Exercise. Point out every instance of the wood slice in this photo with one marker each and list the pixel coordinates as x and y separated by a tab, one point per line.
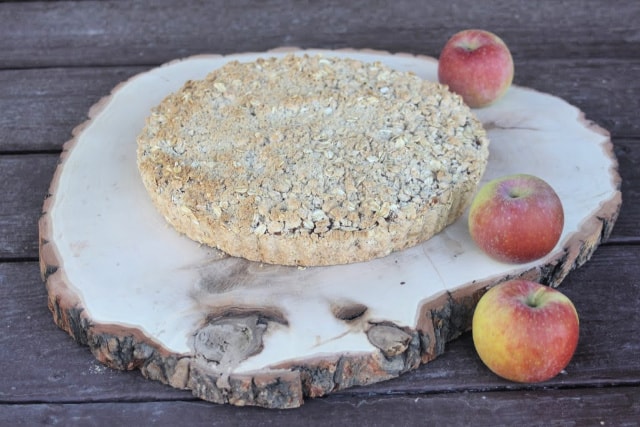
142	296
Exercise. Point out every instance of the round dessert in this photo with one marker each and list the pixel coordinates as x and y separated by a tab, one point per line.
311	160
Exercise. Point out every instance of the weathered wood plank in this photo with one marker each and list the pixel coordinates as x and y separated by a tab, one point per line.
24	181
628	155
119	33
605	292
619	406
41	106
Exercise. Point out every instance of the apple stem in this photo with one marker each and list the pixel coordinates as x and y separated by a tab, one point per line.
514	194
534	299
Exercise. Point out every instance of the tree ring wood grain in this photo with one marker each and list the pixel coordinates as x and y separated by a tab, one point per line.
143	297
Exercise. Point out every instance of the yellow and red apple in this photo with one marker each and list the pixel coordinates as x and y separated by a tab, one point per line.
516	218
524	331
477	65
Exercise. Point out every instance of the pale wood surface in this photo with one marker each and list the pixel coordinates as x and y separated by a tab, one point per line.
57	59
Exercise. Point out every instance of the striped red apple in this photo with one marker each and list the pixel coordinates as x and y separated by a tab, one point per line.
516	218
477	65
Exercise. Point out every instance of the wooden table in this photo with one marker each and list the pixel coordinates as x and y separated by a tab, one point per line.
59	58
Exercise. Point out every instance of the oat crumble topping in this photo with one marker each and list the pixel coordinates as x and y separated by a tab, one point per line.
308	145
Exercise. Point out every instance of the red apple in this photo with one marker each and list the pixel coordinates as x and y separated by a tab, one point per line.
524	331
477	65
516	218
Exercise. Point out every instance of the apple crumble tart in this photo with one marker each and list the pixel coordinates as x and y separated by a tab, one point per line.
311	160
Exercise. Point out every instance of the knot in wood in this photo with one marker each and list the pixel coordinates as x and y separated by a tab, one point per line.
391	340
228	341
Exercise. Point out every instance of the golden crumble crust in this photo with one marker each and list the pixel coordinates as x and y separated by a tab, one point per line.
311	160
